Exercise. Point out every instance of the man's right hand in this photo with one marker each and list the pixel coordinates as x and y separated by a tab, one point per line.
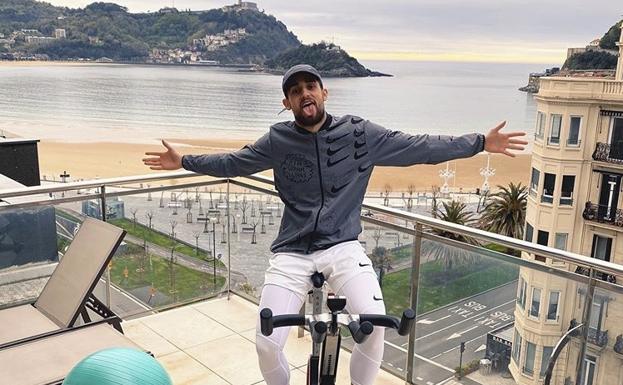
168	160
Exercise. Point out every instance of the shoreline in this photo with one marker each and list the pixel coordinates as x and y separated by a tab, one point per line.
89	160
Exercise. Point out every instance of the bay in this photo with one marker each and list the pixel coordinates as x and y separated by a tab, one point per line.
140	103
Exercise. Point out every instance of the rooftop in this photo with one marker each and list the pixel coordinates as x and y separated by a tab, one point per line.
204	334
212	342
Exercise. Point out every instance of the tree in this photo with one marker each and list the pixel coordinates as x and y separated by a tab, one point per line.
381	260
449	256
387	189
591	60
410	190
377	236
610	38
505	212
134	211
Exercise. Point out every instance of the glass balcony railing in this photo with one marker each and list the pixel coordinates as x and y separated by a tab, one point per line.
189	237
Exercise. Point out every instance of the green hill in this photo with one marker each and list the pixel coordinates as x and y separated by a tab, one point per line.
228	35
329	59
597	60
106	29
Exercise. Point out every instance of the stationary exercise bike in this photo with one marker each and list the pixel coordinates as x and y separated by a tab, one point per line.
325	329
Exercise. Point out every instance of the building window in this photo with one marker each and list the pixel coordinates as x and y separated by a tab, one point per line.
560	242
534	181
529	232
574	131
548	188
602	247
547	353
552	308
535	306
616	139
521	298
554	133
566	195
517	347
528	366
542	238
588	374
540	125
594	324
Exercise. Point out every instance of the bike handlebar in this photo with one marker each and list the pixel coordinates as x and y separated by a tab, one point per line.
402	326
359	331
268	321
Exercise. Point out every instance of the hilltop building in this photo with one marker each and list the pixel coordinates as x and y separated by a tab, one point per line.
592	46
241	5
574	204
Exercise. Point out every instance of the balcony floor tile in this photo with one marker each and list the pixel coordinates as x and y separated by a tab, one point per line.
186	327
185	370
213	343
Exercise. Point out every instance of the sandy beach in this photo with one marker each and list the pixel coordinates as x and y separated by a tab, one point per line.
103	160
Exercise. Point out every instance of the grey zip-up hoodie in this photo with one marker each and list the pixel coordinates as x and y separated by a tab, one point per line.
322	177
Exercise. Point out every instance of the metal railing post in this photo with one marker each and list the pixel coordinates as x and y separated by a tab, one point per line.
586	315
415	277
228	245
103	214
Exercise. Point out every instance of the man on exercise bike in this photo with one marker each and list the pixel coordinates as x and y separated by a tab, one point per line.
322	164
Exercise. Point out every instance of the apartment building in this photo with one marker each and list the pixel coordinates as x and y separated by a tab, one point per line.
575	203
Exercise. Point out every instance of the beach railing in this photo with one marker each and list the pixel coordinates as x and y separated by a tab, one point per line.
192	237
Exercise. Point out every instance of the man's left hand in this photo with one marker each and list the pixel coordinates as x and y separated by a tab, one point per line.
498	142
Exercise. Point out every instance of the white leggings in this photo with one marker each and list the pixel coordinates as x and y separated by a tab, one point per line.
359	291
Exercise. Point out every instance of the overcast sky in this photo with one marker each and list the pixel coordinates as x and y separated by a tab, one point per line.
537	31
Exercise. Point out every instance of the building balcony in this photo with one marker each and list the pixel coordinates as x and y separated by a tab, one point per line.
187	279
598	337
599	275
603	214
605	152
597	89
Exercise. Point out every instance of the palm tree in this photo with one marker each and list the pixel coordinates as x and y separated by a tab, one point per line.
505	213
381	260
455	212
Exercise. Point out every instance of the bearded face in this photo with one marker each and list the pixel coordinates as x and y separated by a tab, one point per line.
306	99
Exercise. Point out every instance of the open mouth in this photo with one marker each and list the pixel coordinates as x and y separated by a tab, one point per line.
309	107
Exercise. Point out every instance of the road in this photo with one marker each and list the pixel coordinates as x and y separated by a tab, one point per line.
440	332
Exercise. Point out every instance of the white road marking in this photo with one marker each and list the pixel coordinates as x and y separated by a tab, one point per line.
456	347
459	334
481	348
460	322
428	322
445	381
420	357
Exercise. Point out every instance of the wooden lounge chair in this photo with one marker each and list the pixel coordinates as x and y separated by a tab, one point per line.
47	359
68	292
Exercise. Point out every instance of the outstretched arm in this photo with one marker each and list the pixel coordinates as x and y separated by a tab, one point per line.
248	160
395	148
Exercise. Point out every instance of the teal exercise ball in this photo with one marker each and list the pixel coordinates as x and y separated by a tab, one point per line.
118	366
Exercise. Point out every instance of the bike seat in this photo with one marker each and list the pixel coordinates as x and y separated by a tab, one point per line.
317	279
